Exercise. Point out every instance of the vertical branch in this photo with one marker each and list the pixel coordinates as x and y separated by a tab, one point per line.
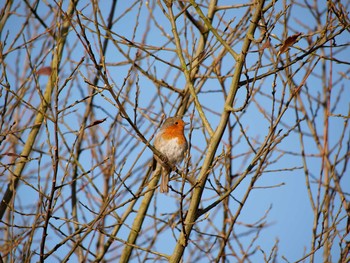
214	141
55	163
326	170
72	192
186	71
89	106
140	217
11	188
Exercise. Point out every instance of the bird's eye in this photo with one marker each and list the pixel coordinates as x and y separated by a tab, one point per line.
176	122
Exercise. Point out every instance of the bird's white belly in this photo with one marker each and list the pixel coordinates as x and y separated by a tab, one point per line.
172	150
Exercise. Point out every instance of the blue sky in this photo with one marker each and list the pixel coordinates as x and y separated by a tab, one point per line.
290	217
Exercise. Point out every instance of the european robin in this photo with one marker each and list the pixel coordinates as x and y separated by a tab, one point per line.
171	142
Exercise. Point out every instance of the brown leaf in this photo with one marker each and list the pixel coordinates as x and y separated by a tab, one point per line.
13	154
44	71
309	40
267	44
96	123
290	41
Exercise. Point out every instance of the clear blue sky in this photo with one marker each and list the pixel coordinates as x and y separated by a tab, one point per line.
290	219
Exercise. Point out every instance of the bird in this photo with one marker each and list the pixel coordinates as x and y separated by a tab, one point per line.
172	143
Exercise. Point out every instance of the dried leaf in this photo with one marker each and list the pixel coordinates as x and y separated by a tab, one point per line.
96	123
44	71
267	44
13	154
309	40
290	41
